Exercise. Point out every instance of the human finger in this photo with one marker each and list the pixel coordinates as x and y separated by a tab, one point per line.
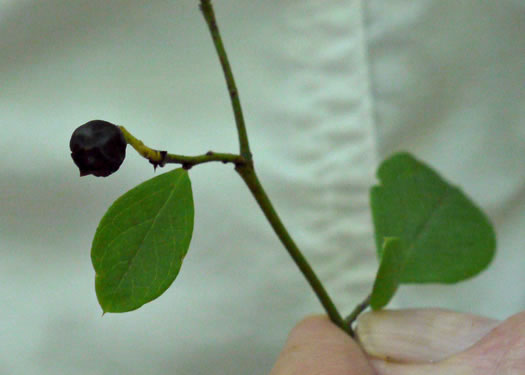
317	346
420	335
500	352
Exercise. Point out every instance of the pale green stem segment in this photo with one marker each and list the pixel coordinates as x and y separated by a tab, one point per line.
161	158
154	156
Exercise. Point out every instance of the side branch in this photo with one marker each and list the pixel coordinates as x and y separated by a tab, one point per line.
350	319
209	16
161	158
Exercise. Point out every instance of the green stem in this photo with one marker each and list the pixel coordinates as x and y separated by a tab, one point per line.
209	16
350	319
161	158
189	161
247	173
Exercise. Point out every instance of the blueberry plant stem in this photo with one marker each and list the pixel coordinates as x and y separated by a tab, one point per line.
209	16
247	172
161	158
350	319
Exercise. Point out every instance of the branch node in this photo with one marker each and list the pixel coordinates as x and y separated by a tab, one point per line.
161	162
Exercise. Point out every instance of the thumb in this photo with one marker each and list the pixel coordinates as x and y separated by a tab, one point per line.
419	335
500	352
317	346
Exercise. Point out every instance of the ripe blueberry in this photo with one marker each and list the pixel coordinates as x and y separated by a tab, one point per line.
98	148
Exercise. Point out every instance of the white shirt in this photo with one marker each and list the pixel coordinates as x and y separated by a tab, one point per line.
329	89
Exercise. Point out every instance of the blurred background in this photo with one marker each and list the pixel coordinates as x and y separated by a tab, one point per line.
329	89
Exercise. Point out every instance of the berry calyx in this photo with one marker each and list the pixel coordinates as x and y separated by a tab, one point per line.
98	148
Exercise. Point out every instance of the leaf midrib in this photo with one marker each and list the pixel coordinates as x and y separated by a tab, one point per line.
425	225
139	247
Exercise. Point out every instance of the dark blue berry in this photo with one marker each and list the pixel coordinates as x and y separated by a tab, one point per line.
98	148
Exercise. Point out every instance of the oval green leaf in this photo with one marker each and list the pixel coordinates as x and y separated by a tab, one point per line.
141	241
448	238
388	276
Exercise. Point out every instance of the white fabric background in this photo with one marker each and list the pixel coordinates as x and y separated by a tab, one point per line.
329	88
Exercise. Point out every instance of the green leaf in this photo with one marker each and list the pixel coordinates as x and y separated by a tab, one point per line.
141	241
448	238
389	273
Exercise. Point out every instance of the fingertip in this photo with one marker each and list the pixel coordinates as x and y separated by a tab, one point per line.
419	335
